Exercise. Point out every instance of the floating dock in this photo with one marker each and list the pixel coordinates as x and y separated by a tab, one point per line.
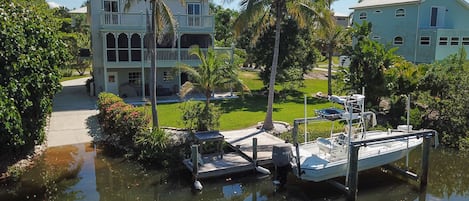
252	147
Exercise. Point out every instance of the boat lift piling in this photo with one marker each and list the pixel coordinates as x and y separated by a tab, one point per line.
352	176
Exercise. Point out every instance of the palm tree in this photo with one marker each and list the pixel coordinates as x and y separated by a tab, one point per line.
260	15
162	23
332	37
213	71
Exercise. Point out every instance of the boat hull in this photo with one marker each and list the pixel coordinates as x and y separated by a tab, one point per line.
314	170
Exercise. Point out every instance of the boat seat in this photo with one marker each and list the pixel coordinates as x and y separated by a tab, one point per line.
324	144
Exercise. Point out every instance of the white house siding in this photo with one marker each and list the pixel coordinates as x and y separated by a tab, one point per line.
133	21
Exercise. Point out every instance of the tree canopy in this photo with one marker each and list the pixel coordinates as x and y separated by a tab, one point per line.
30	54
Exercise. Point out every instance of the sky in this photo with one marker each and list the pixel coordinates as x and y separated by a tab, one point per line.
340	6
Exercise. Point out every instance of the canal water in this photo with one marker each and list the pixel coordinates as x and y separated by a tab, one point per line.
83	172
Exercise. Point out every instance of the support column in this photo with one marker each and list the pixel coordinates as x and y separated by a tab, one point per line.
178	35
425	161
142	63
105	60
195	162
352	181
254	151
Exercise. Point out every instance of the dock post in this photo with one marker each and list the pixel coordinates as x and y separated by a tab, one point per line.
425	161
195	162
352	179
254	151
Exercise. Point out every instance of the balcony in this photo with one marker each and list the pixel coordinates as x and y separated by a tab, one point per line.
116	21
166	57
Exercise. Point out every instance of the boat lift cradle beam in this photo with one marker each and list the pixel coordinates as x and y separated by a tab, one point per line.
354	146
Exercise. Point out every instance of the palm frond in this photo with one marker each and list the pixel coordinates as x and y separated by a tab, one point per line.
185	89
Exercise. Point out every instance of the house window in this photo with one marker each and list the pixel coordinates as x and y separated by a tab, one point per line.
123	47
398	40
378	11
465	40
126	49
135	46
425	40
362	16
111	10
193	14
111	47
135	78
167	76
454	40
443	40
400	12
437	16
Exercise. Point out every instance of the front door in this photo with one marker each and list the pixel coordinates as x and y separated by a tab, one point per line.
112	83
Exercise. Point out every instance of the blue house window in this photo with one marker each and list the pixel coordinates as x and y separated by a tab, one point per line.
400	12
425	40
398	40
454	40
362	16
443	40
465	40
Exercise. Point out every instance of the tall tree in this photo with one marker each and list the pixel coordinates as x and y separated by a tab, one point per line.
212	72
369	60
331	38
31	52
262	14
162	23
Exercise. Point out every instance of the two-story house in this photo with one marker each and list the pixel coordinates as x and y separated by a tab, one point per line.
424	30
118	35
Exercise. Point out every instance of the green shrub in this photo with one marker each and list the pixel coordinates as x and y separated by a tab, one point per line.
104	101
196	116
10	123
66	72
31	52
121	122
151	144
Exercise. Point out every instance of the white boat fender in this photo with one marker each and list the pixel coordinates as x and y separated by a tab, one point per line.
262	170
197	185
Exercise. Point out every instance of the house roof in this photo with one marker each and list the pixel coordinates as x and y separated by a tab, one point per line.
378	3
79	10
337	14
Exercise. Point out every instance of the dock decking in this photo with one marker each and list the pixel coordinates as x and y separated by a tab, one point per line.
214	165
243	140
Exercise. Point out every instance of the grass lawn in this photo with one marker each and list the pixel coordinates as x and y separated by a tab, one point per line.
242	113
73	77
335	60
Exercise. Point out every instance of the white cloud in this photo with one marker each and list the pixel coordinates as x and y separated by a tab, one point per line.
53	4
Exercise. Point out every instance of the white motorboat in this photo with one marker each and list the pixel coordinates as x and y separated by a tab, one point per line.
327	158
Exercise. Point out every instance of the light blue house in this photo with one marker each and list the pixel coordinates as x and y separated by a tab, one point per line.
424	30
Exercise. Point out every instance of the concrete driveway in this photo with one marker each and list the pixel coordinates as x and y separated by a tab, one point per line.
73	117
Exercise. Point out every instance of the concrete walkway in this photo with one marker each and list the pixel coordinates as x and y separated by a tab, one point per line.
73	117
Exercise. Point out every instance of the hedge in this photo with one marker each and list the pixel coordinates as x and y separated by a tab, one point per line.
121	122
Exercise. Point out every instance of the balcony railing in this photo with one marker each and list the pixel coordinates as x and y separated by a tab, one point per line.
119	20
166	57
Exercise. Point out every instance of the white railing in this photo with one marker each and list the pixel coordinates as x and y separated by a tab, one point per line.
139	20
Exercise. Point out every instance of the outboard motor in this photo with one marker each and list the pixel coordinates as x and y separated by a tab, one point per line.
281	157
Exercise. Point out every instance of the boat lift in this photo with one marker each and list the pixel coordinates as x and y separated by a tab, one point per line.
351	184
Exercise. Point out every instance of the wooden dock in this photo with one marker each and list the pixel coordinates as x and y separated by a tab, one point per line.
242	140
245	158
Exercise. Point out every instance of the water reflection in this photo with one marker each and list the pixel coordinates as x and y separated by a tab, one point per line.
82	172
